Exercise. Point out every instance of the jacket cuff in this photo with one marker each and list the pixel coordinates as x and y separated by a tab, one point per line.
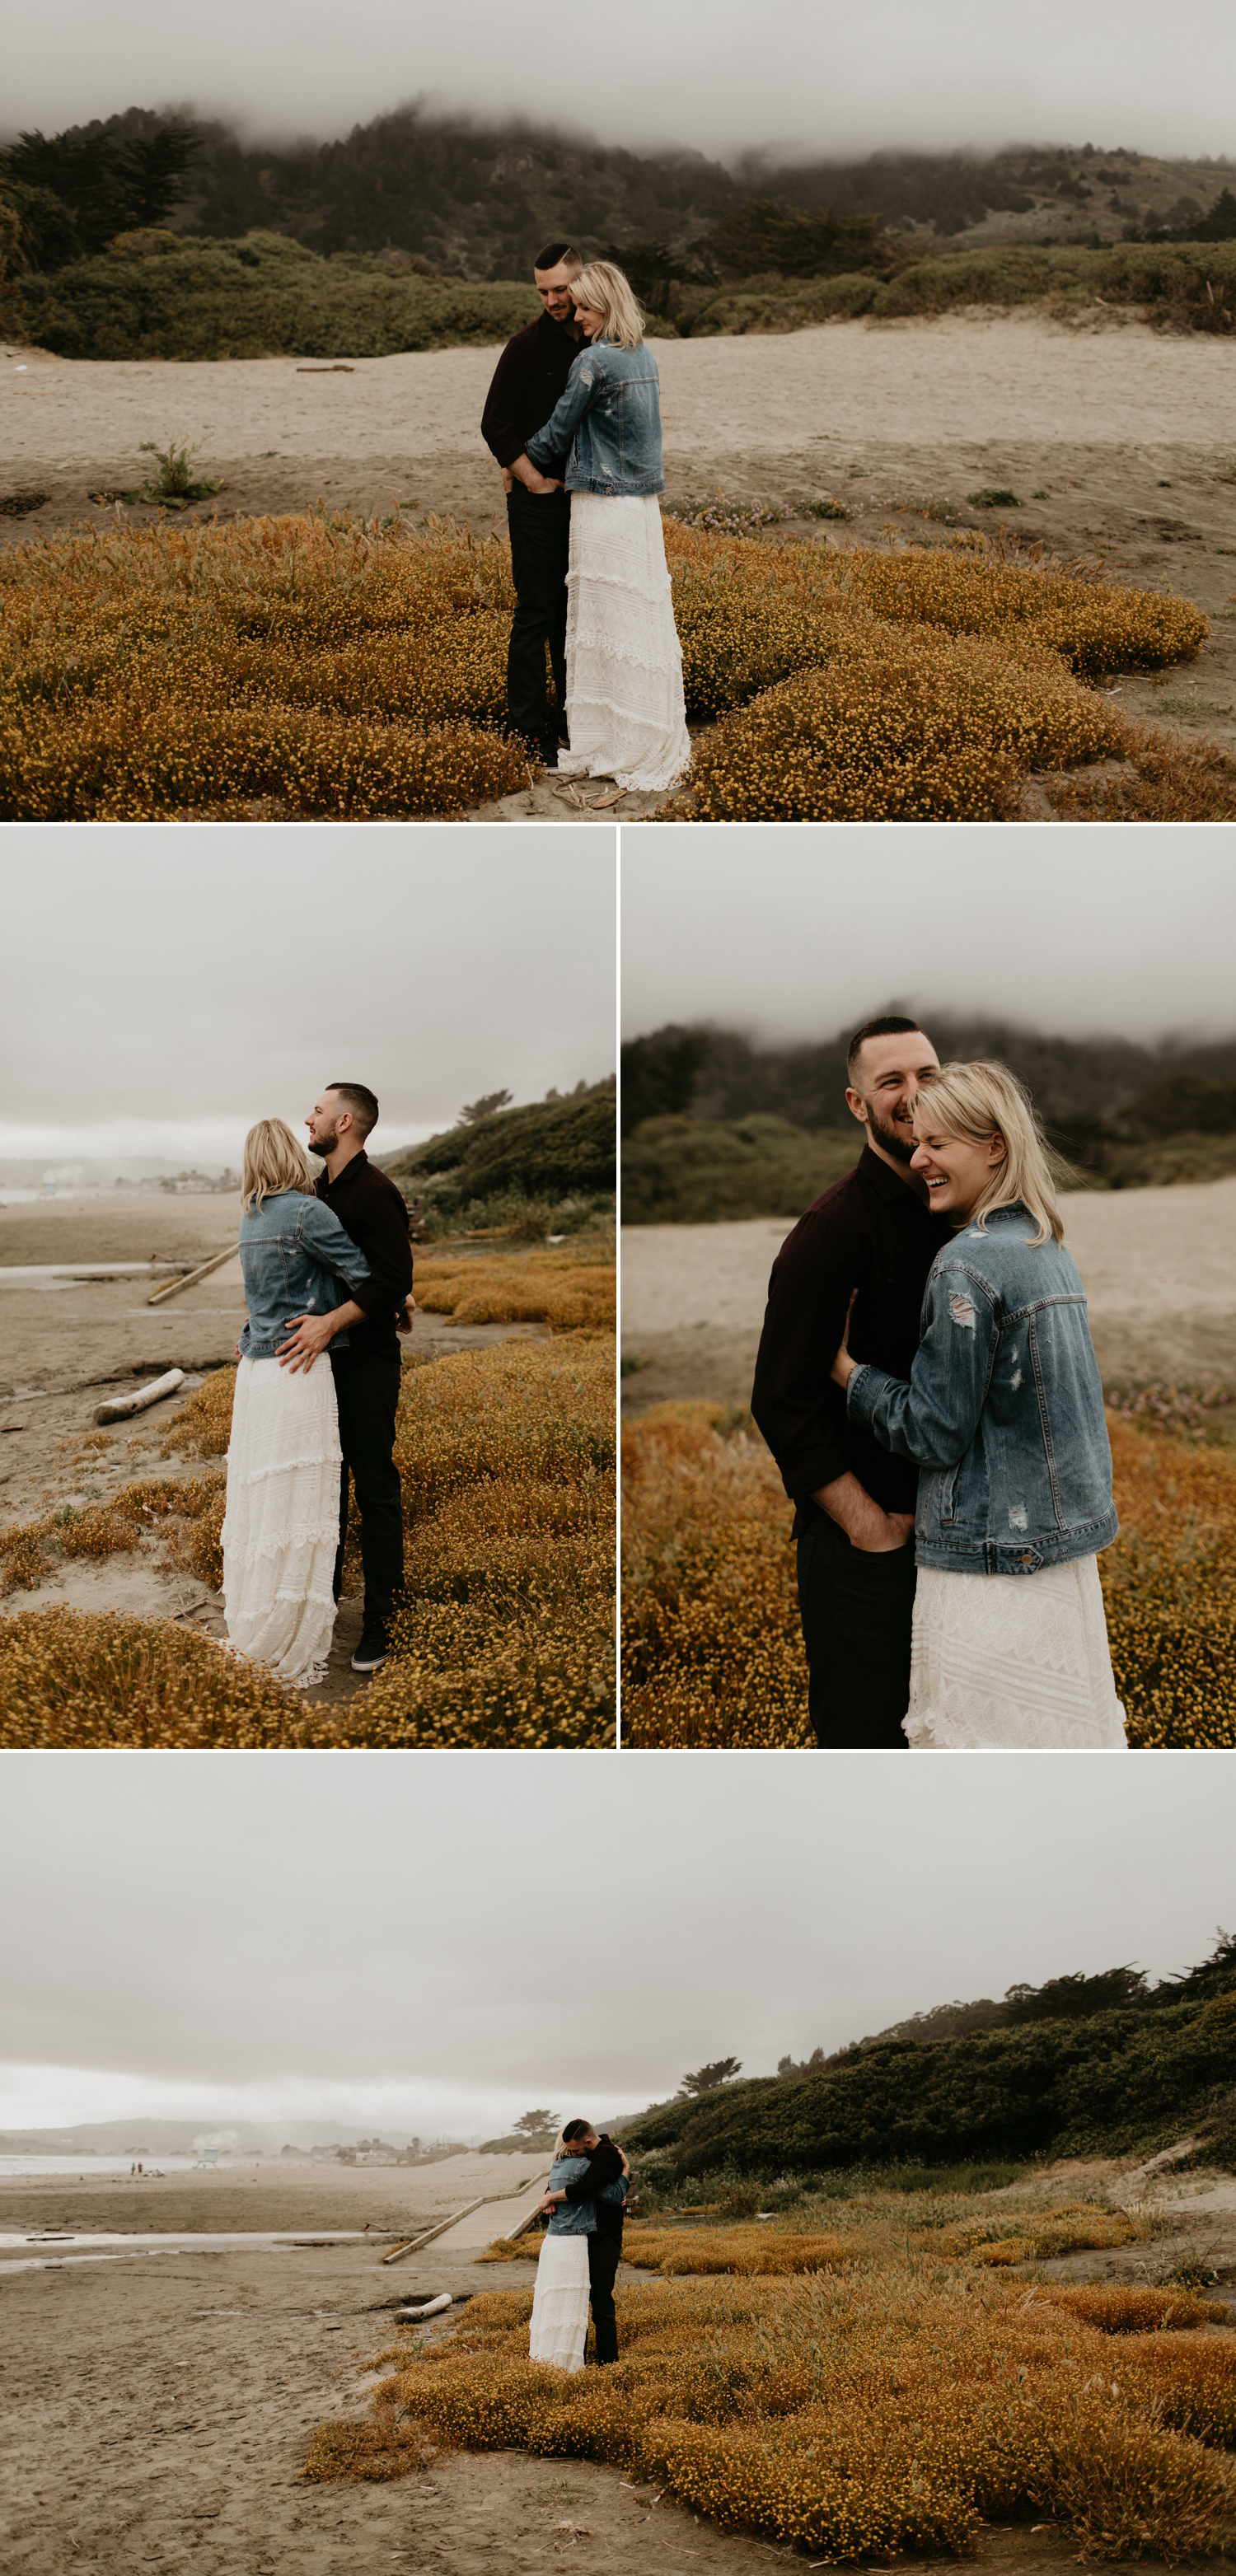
864	1391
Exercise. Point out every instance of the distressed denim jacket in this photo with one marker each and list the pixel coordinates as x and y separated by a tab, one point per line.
581	2219
1003	1411
297	1260
610	419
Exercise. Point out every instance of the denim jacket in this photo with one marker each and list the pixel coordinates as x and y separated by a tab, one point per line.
1003	1411
297	1260
610	419
582	2220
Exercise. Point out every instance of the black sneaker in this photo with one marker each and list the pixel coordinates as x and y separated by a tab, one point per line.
372	1651
548	750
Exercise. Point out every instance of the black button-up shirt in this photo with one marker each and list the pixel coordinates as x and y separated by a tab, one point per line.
875	1233
529	382
604	2166
374	1213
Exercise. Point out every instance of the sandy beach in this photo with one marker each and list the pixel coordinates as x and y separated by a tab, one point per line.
67	1344
1122	434
159	2406
1159	1268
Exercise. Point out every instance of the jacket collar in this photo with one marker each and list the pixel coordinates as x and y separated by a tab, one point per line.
351	1170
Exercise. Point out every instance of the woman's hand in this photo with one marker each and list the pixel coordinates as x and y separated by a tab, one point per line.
843	1366
625	2161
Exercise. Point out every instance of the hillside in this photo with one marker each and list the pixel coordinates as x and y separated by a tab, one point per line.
544	1151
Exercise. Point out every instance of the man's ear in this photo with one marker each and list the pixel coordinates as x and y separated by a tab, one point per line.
856	1105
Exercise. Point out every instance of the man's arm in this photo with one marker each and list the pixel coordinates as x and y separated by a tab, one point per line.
793	1400
381	1223
312	1334
605	2165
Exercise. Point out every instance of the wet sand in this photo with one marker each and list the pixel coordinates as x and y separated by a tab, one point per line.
1125	432
159	2407
1159	1269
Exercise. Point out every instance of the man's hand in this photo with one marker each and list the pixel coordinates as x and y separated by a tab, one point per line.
311	1335
872	1531
525	472
407	1315
508	479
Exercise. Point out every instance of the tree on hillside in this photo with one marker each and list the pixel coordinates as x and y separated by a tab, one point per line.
535	2124
486	1107
1075	1998
100	185
706	2079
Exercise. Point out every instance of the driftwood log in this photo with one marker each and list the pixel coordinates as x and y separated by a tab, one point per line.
189	1278
119	1407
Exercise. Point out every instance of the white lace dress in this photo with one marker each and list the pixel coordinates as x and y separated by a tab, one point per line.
281	1525
560	2303
1004	1660
625	711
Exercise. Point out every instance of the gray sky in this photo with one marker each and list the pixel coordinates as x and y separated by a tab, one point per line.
389	1938
1104	929
817	76
167	986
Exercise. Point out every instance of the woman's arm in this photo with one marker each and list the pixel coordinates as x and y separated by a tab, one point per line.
933	1417
585	385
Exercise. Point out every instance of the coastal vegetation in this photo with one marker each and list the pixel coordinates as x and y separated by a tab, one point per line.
306	666
505	1456
712	1651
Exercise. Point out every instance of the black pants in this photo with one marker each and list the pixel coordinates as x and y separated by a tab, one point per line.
540	527
604	2257
856	1612
367	1394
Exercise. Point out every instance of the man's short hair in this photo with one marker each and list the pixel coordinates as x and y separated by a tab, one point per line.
886	1028
360	1102
577	2129
558	255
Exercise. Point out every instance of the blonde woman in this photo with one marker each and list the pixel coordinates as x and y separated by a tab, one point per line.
559	2329
625	711
281	1528
1003	1416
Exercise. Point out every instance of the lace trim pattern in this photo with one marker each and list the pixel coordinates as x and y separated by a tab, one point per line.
625	711
1003	1661
281	1524
560	2303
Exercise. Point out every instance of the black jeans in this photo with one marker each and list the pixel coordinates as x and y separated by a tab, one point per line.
367	1394
540	528
604	2257
856	1612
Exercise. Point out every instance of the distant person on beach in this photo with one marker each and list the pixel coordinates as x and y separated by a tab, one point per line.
624	694
581	2251
873	1233
362	1336
528	382
1002	1415
281	1525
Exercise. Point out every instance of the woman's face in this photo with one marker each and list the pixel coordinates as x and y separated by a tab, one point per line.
589	323
955	1170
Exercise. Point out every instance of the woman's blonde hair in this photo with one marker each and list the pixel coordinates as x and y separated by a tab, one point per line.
603	289
274	1160
977	1101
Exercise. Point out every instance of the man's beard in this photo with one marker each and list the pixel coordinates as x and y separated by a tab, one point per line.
894	1139
324	1145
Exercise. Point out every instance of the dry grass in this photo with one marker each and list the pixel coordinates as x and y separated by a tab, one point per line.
712	1652
848	2397
507	1633
317	667
564	1289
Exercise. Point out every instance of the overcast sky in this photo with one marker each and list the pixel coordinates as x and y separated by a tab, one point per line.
166	987
1102	930
815	76
397	1939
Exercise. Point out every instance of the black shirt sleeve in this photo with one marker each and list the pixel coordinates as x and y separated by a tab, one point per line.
798	1409
604	2166
379	1224
505	404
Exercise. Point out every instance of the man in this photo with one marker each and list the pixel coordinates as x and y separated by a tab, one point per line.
872	1233
606	2164
367	1372
528	382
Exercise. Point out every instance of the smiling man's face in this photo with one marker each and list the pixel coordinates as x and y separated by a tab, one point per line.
887	1076
553	285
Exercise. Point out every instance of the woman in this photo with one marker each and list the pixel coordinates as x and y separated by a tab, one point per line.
281	1528
560	2301
625	712
1003	1415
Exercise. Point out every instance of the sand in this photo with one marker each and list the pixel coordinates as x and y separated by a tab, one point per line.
66	1345
1126	430
1159	1269
159	2407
